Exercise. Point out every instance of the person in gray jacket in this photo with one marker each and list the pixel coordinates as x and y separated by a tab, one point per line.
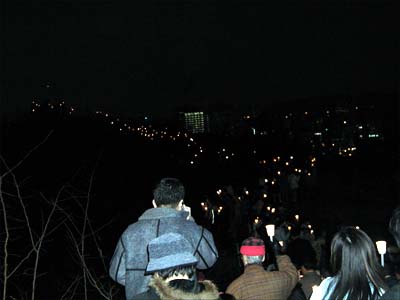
169	215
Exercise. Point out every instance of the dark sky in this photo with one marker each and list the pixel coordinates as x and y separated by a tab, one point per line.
151	55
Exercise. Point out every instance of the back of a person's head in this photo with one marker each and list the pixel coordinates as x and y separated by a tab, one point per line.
300	250
394	225
169	191
253	251
309	261
355	264
189	271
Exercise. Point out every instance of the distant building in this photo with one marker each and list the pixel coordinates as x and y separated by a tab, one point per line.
195	122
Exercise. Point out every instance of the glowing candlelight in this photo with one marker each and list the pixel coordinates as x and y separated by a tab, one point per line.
270	231
289	227
381	245
297	217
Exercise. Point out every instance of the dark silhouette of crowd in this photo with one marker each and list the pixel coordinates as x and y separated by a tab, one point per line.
248	247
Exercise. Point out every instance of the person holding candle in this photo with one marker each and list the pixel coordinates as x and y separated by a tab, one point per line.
394	228
257	283
355	269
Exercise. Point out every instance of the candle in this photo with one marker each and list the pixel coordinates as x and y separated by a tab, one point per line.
297	217
381	245
270	231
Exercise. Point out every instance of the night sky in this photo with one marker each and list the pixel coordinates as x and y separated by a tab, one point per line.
154	55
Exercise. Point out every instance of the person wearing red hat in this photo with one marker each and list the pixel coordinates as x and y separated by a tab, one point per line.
256	282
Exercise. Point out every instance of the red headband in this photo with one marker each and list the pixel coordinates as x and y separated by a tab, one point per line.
252	250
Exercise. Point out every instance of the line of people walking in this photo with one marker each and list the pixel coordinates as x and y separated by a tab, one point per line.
158	257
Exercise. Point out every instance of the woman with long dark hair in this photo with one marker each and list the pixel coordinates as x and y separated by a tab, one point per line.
356	271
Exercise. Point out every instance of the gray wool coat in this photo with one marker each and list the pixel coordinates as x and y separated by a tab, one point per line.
130	258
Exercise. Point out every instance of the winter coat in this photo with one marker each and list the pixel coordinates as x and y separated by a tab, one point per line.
130	258
309	280
189	290
392	294
256	283
326	288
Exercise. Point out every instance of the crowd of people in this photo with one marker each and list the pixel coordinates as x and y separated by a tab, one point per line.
166	254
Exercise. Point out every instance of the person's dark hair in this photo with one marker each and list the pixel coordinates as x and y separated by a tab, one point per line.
190	271
355	265
309	262
169	192
394	225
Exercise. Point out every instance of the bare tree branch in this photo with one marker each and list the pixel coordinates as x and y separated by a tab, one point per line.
10	170
41	241
5	247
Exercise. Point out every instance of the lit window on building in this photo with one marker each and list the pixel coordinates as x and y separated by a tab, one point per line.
195	122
